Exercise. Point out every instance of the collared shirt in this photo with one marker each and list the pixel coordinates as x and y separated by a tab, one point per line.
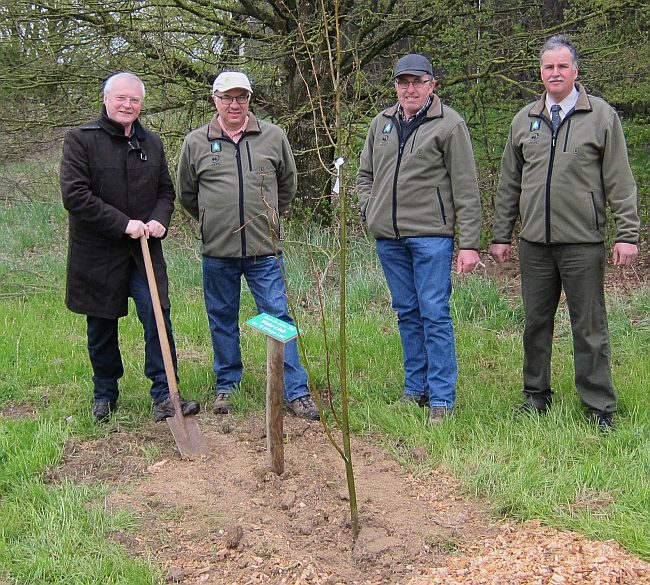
566	105
234	136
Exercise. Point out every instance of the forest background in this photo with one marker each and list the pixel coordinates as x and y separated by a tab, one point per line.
320	68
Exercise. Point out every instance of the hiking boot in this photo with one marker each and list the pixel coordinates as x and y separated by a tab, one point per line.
165	409
222	404
102	409
303	407
437	414
421	401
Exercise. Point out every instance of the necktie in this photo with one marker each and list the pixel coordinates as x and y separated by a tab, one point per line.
555	118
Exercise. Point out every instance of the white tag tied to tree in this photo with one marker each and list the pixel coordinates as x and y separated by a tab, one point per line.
338	163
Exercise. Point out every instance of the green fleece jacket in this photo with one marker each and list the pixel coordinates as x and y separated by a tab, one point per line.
423	186
559	187
237	191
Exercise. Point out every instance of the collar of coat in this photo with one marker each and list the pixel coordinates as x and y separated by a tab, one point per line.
215	132
583	104
434	111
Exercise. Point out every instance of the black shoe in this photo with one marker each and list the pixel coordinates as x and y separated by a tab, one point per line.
165	409
102	409
604	422
528	409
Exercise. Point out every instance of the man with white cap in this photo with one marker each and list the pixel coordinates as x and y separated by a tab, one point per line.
417	188
237	176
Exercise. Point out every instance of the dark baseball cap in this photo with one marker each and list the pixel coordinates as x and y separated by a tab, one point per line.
412	65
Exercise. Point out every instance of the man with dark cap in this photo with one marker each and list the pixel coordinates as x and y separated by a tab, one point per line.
417	187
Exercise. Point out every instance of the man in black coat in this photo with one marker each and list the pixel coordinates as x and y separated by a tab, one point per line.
116	186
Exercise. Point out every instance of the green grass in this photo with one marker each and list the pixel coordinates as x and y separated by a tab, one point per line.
59	535
557	469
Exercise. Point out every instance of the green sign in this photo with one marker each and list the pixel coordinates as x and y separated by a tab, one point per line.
273	327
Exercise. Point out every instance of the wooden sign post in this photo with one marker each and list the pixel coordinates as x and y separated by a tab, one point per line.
277	334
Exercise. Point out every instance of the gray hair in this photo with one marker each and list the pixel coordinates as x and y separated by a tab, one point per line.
560	42
108	84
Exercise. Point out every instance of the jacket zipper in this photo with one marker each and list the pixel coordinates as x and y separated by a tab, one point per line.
242	230
397	167
549	174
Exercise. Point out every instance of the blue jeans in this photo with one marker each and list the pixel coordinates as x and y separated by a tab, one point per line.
418	274
222	290
104	350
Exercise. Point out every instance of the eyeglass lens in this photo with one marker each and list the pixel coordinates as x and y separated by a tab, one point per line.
228	99
418	83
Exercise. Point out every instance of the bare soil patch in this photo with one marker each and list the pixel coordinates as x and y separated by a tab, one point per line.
17	410
229	520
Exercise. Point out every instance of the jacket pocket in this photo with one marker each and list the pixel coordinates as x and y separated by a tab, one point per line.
594	208
441	206
201	223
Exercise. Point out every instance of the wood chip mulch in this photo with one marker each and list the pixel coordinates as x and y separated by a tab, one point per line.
531	554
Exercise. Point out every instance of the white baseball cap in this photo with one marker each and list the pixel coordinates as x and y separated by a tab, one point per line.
227	80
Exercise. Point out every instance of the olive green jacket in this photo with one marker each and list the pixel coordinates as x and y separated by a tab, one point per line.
237	191
559	188
426	186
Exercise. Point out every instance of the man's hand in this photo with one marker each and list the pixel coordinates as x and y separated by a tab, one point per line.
624	254
467	261
500	252
156	230
136	229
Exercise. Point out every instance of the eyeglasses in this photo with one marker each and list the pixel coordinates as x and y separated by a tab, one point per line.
123	99
228	99
417	84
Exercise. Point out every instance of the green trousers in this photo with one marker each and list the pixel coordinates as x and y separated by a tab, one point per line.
579	269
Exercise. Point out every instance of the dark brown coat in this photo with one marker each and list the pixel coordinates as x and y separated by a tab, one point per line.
106	180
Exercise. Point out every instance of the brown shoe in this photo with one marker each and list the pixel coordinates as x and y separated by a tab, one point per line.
303	407
421	401
437	414
222	404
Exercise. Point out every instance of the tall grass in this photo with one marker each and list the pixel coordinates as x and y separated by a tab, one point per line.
557	468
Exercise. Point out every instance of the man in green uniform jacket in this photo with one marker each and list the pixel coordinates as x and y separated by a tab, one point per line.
565	159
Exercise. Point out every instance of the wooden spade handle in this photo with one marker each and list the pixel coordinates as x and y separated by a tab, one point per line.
160	324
